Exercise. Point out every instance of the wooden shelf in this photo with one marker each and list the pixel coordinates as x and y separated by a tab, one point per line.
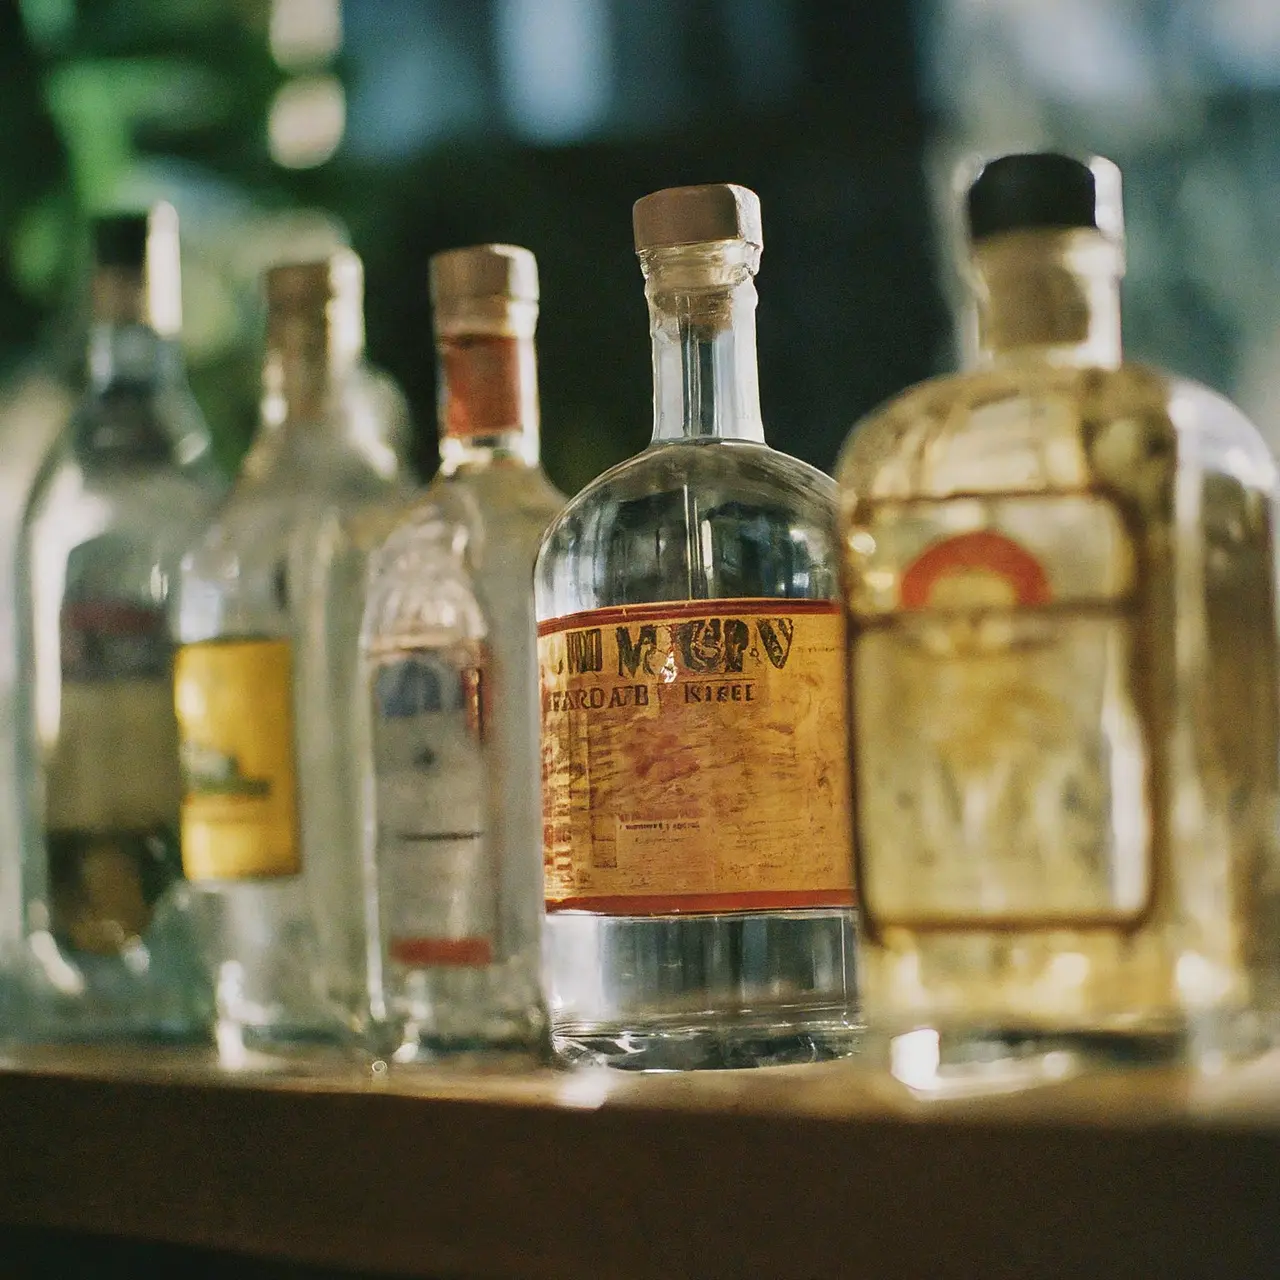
798	1172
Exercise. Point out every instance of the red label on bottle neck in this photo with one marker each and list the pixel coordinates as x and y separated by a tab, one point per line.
482	385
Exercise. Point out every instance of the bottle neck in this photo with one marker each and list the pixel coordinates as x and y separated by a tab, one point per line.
138	402
1048	295
133	354
132	339
311	356
487	399
702	320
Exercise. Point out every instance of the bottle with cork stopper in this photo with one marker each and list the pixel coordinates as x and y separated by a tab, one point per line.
108	952
455	848
1064	670
266	681
696	823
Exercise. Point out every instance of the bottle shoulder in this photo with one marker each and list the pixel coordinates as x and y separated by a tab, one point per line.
1043	427
687	521
504	510
714	473
151	500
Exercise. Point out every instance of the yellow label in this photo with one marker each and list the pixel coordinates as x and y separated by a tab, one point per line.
234	700
694	758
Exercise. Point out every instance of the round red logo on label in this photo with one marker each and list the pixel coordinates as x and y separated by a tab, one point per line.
975	570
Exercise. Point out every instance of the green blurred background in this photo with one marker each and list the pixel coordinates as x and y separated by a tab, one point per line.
407	126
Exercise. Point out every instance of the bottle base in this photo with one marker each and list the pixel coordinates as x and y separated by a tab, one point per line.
505	1043
725	1046
945	1063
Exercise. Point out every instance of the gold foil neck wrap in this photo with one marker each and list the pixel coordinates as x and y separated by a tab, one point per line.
697	215
485	289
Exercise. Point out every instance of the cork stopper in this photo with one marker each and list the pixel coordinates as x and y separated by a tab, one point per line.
137	276
307	286
325	295
315	332
697	215
484	271
484	288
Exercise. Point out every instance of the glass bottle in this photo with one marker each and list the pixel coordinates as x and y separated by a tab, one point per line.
266	684
462	895
119	498
697	873
1059	569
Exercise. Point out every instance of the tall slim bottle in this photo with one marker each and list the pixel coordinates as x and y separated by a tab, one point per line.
700	912
1060	573
454	685
265	684
118	500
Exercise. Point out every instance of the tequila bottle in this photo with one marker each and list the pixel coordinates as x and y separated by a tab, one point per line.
1063	660
696	852
119	498
450	639
266	685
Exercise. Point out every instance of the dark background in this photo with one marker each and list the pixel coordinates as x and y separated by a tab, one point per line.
407	126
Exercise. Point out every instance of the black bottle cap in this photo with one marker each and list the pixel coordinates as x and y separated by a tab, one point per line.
120	240
1036	189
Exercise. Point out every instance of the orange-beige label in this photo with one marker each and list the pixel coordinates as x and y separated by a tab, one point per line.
694	758
234	700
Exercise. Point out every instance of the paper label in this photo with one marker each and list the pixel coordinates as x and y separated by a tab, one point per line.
234	701
694	758
113	788
435	878
1002	757
115	764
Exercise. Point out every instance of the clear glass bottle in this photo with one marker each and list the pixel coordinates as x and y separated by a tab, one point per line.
266	686
697	873
462	899
108	951
1060	577
34	410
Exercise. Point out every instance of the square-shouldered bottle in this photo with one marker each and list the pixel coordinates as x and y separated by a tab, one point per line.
1060	577
699	909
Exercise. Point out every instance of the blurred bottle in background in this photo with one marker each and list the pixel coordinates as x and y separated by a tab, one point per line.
265	684
1064	677
458	851
117	501
33	410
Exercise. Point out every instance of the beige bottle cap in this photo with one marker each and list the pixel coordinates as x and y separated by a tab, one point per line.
484	271
697	215
294	286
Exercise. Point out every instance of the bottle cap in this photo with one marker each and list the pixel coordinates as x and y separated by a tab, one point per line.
317	304
1047	190
143	246
300	286
120	240
697	215
484	271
